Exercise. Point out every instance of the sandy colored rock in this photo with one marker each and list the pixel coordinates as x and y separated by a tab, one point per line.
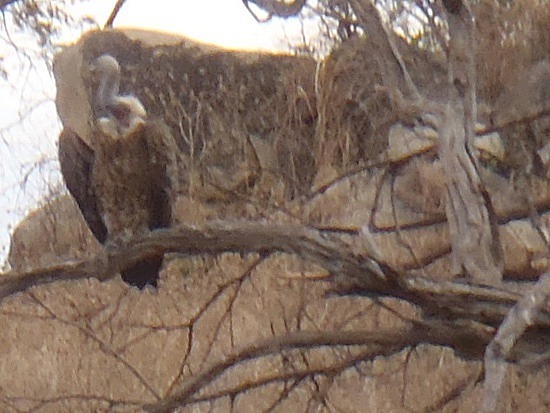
255	138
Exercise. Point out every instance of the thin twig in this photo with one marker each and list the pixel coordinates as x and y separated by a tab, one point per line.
114	13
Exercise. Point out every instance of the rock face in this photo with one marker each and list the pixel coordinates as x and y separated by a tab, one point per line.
244	121
402	202
275	138
259	130
51	234
239	117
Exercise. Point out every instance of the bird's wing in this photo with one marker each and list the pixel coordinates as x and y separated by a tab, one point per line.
76	159
163	171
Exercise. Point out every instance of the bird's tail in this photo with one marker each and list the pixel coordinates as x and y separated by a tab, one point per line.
145	272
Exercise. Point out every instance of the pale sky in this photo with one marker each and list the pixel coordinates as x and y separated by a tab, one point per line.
223	22
28	122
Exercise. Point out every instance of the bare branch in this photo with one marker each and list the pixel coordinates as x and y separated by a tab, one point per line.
476	247
276	8
381	343
386	42
213	239
114	13
6	3
476	309
520	317
105	348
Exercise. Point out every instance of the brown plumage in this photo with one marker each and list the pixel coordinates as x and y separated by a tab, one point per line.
125	181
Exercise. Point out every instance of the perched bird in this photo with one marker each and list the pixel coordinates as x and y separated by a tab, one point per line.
125	181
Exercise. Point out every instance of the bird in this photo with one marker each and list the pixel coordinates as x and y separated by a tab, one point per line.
124	181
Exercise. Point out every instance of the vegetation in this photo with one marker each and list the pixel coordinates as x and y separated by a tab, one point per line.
365	233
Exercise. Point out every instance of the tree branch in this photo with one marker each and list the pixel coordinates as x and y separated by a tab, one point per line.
114	13
5	3
379	344
516	322
276	8
350	273
476	249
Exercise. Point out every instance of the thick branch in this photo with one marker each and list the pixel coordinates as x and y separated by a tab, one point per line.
520	317
212	239
351	273
476	248
382	343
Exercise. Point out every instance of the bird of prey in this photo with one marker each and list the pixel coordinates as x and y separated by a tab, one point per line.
125	180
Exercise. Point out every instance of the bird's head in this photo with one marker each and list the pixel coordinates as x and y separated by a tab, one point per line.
106	65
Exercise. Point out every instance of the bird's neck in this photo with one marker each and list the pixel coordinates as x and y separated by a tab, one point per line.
108	90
